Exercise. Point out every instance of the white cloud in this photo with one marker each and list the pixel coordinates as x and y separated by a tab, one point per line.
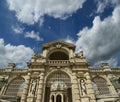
14	54
33	35
17	29
101	41
112	62
102	4
69	40
31	11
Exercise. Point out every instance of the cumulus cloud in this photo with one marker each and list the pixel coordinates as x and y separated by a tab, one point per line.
33	35
31	11
102	4
101	41
14	54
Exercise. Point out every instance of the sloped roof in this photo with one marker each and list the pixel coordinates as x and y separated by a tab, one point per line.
69	45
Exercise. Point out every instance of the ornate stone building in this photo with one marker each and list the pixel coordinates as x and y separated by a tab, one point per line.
59	75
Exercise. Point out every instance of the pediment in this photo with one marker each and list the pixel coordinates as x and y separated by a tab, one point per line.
58	44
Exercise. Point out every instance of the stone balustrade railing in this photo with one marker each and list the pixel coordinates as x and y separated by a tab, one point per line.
20	70
58	61
14	70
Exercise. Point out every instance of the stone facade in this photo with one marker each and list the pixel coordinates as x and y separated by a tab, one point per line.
59	75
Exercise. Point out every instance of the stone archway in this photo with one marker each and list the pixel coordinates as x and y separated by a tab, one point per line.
58	85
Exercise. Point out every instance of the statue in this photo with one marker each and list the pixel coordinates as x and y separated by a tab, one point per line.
83	88
33	86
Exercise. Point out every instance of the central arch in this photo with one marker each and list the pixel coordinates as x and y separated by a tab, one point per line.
58	86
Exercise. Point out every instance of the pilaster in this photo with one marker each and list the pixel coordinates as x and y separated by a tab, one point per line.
90	90
75	89
26	88
40	88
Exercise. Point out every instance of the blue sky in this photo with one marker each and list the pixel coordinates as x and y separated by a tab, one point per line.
92	25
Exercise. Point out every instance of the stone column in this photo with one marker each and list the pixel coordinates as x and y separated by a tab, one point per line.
62	97
90	90
50	98
75	89
26	88
55	98
40	88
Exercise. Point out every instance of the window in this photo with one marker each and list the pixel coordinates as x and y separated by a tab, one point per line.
58	56
15	87
101	86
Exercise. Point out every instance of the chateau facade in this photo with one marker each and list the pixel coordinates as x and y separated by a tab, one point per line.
59	75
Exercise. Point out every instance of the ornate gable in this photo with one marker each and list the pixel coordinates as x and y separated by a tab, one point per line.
58	44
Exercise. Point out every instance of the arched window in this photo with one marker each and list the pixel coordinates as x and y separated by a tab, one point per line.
58	55
101	86
59	79
58	82
15	87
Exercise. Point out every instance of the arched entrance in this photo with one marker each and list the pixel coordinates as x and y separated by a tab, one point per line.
58	98
58	88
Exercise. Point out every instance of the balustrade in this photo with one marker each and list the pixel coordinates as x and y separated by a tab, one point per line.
58	61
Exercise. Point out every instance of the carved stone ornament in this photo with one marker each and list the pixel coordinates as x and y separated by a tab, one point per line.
58	46
80	74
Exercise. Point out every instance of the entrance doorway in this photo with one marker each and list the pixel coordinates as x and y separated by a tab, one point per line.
58	98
